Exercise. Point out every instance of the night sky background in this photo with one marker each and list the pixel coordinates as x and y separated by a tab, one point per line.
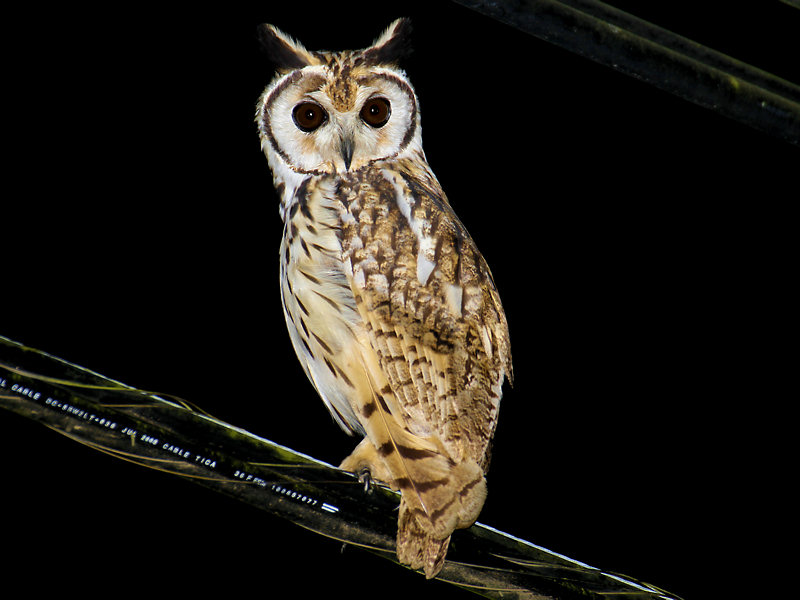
638	243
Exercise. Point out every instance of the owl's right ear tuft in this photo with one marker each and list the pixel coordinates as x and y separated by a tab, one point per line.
281	49
392	46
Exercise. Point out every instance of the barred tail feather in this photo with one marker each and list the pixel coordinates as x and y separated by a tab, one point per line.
439	494
422	539
416	547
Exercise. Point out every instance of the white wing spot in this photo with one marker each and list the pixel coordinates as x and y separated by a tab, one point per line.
425	244
359	278
454	294
424	267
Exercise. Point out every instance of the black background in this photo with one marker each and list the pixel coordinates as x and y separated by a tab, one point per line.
638	243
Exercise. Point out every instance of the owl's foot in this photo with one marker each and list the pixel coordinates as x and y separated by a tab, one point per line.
365	477
367	465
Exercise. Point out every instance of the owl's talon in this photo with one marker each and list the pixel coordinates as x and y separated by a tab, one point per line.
365	478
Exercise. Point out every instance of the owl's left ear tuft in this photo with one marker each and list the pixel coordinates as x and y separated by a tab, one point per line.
392	46
281	49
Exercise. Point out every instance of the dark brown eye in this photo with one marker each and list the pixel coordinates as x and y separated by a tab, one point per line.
376	112
308	116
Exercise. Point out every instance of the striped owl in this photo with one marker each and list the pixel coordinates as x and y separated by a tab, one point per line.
390	307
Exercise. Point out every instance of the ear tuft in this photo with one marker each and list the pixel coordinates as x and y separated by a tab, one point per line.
392	46
281	49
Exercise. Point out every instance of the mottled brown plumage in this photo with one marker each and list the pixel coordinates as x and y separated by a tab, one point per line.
391	309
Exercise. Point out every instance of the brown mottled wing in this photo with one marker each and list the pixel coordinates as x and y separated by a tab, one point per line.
430	305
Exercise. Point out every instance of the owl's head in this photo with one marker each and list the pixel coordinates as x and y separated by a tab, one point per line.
331	112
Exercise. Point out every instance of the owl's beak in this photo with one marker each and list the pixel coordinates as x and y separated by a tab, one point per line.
346	148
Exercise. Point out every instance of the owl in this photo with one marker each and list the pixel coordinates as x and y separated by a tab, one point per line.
391	309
